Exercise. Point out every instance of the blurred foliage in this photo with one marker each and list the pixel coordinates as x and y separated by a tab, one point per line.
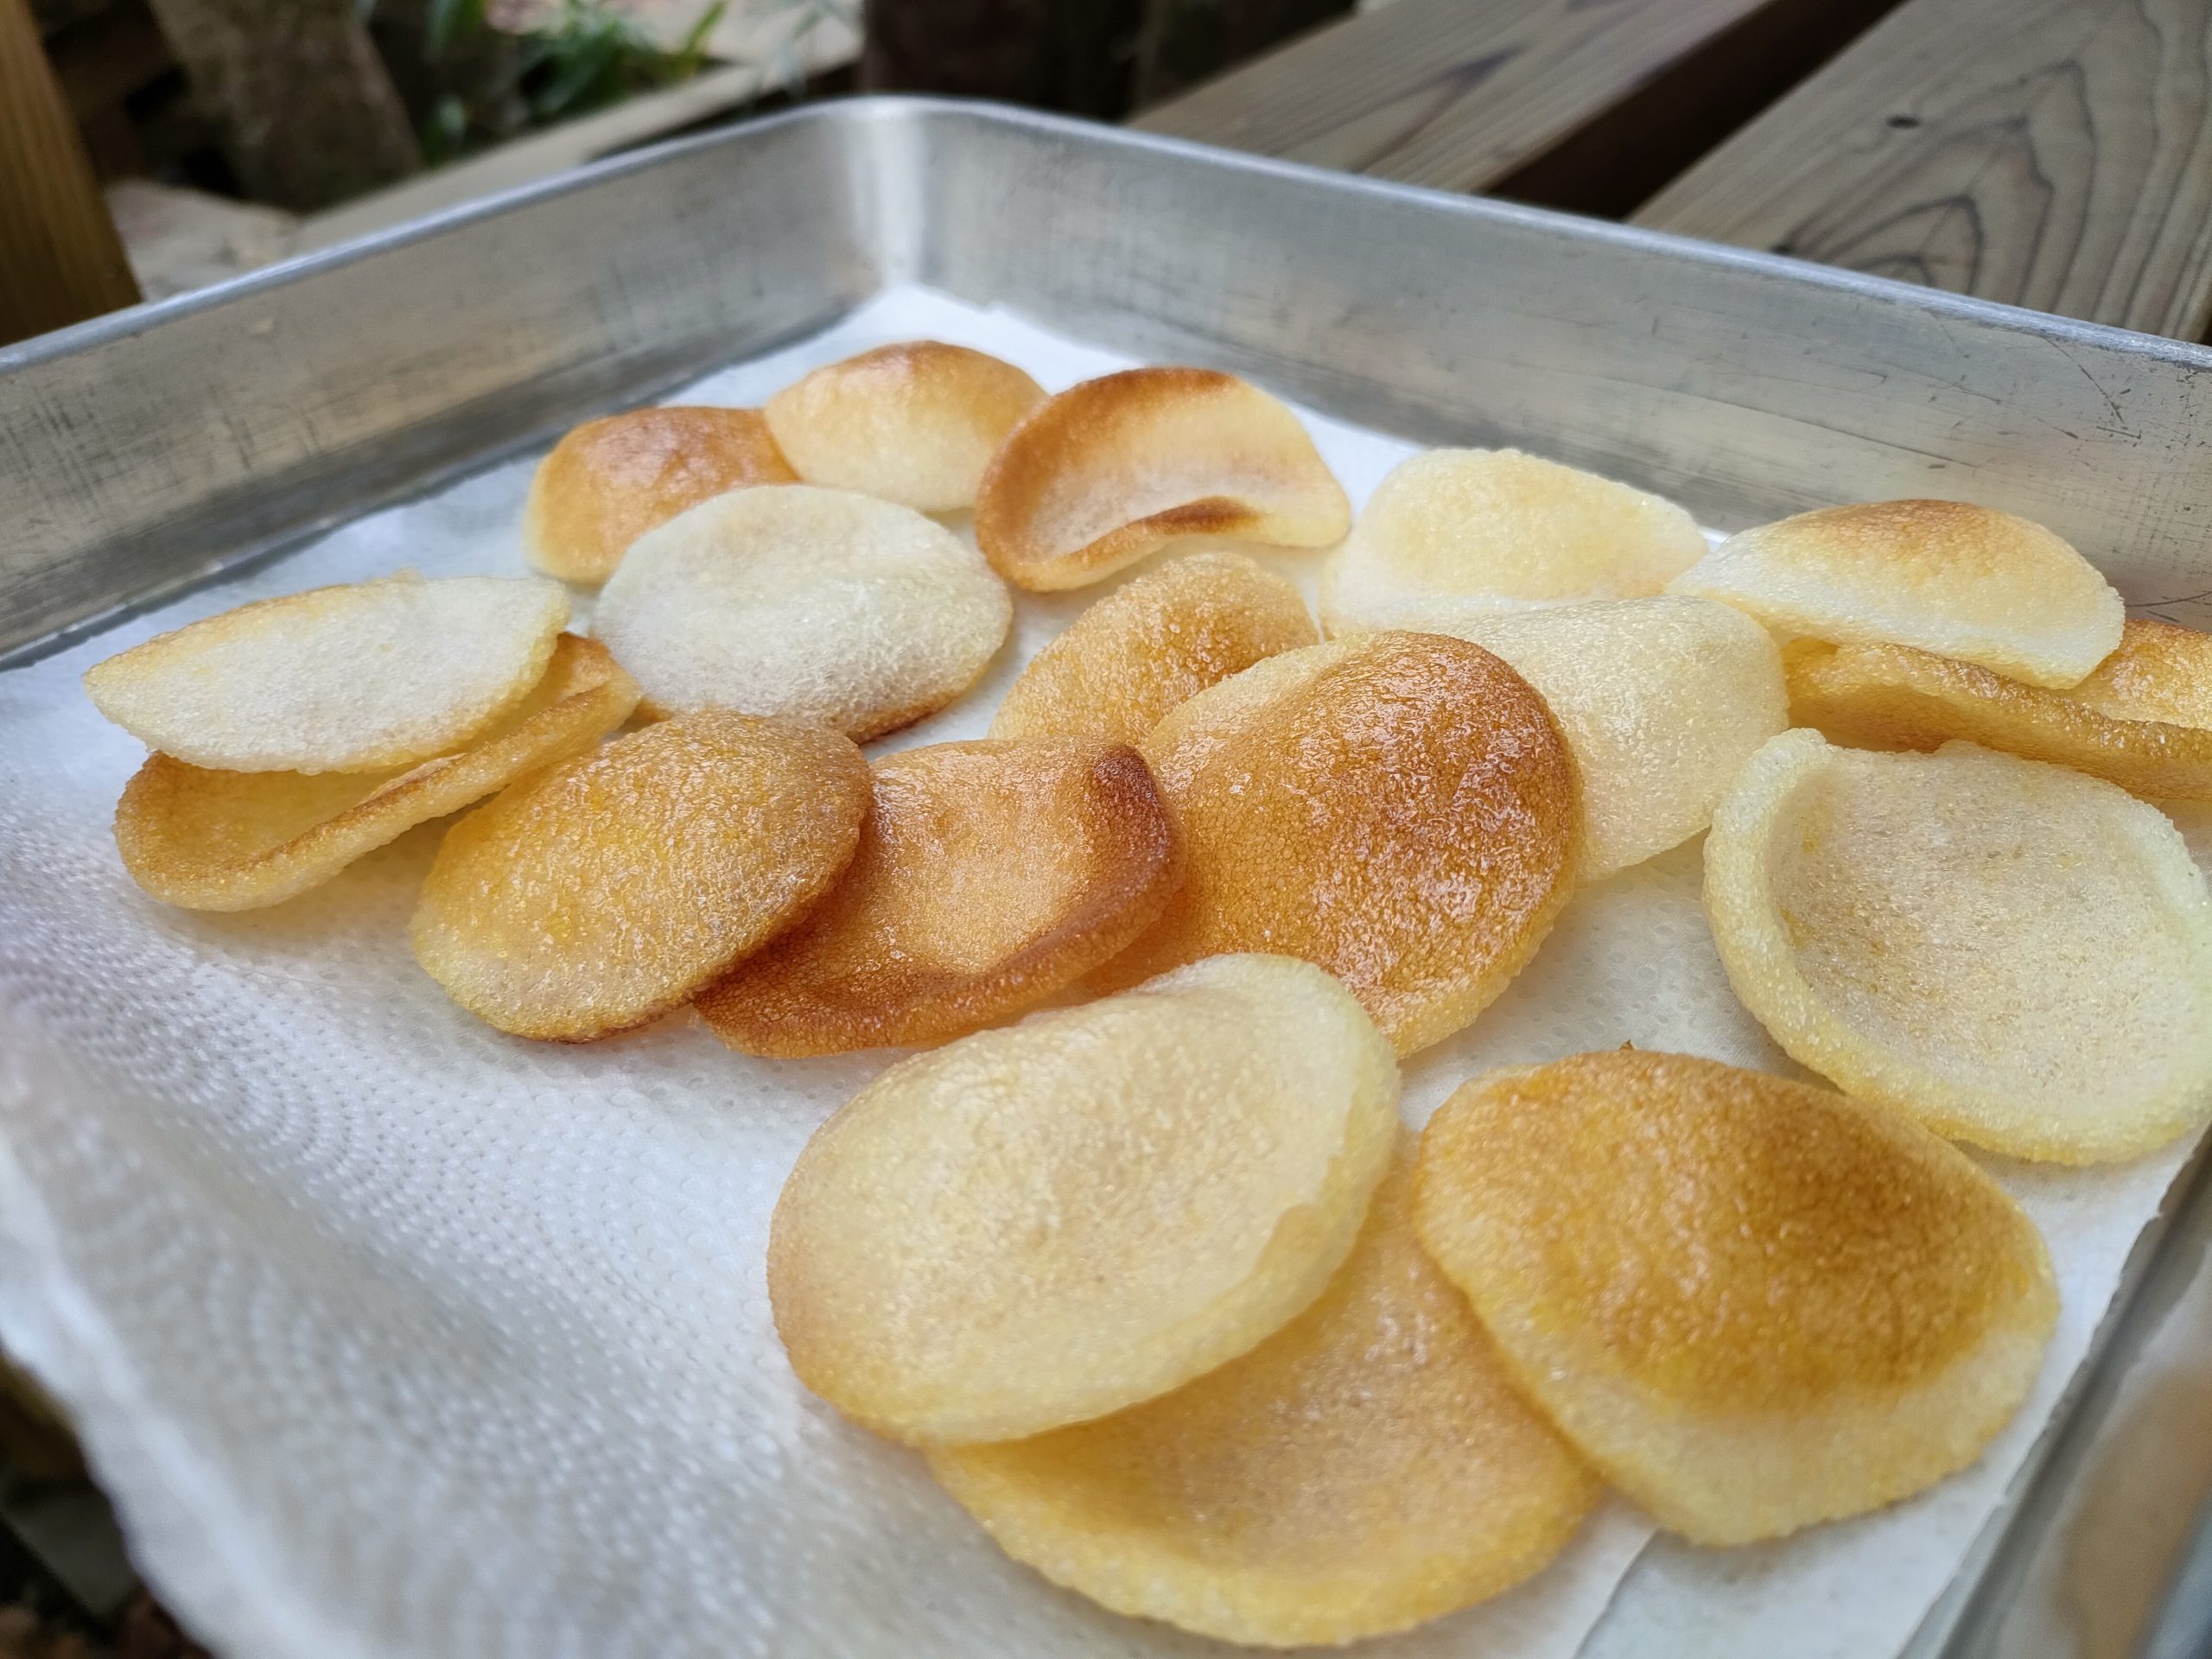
587	56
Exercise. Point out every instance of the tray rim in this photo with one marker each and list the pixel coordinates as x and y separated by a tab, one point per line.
879	110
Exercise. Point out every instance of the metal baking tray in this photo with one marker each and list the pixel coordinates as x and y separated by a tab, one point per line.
152	450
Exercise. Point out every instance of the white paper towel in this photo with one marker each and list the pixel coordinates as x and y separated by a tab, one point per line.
392	1335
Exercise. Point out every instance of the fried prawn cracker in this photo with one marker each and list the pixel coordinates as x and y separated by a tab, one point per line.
1368	1466
1662	700
915	422
821	605
365	677
989	875
1453	536
610	481
1399	808
1153	642
1112	469
612	887
1753	1304
1943	577
1069	1215
2016	954
2143	720
241	840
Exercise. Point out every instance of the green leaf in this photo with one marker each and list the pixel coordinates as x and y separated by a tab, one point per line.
694	47
447	22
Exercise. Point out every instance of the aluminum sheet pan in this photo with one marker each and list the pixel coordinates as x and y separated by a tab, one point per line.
146	452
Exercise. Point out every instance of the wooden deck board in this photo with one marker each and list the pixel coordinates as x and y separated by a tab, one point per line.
2055	154
1471	94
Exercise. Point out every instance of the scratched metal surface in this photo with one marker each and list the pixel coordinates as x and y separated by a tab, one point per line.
150	448
156	448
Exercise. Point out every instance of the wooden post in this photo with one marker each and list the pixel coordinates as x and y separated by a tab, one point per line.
60	260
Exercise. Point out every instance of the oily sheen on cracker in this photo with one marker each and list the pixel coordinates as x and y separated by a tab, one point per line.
821	605
1451	536
1399	807
365	676
1753	1304
240	840
613	887
1370	1467
989	875
1070	1216
610	481
2016	954
1115	468
915	422
1153	643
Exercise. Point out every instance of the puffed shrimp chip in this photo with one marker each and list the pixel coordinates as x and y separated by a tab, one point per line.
610	481
1662	700
362	677
1753	1303
2016	954
241	840
1044	1224
1399	807
2160	671
1941	576
915	423
1112	469
1452	535
610	888
818	604
988	876
1368	1466
1156	642
1895	697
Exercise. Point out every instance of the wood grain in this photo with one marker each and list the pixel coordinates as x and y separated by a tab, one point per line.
1465	94
1185	42
2055	154
60	260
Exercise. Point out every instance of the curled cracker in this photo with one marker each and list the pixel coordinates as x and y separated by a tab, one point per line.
2016	954
1112	469
1152	644
1941	576
1754	1303
1453	536
610	481
612	887
1368	1466
1070	1216
241	840
1399	808
915	423
1895	697
365	676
